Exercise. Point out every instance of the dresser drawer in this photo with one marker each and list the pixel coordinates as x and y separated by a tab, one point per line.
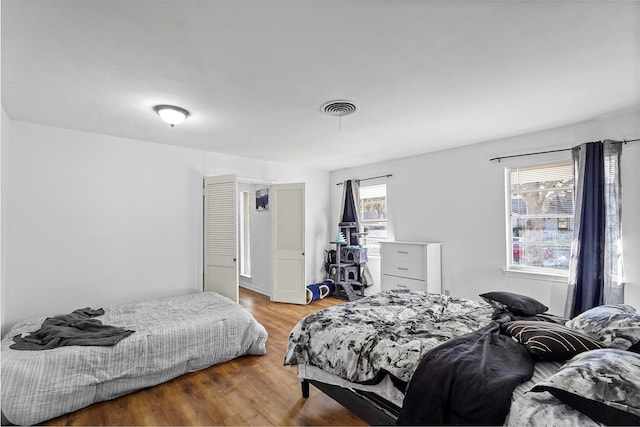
411	270
403	252
411	265
390	283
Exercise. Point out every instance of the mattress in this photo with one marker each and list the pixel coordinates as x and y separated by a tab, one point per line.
385	333
172	336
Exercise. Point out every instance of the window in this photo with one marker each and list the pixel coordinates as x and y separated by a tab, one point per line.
245	233
373	216
540	218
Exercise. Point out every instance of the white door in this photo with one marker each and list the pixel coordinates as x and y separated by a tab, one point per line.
286	202
220	235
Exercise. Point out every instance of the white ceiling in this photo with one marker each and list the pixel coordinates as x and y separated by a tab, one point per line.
426	75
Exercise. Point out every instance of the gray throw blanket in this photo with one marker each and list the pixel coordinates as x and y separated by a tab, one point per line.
76	328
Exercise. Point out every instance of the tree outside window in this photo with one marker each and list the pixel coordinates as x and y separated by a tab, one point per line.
373	214
540	218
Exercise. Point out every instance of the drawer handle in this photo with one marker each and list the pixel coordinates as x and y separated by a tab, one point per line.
403	268
402	286
403	252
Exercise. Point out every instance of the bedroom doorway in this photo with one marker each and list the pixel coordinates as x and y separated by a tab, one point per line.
279	254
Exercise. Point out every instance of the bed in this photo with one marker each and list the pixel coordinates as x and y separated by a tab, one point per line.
418	358
171	336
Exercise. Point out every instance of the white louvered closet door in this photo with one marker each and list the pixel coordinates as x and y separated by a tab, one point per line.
287	216
220	235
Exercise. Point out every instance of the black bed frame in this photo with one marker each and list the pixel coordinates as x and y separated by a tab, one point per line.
372	408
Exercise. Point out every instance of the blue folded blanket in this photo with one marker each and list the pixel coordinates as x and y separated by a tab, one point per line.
320	290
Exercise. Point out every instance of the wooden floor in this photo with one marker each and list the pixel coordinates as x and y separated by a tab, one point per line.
251	390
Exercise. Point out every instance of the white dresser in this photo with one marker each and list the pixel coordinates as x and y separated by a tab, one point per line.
411	265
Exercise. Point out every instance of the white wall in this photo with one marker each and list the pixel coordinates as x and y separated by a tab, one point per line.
94	220
631	219
4	181
457	197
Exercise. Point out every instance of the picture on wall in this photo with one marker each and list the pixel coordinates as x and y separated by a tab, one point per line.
262	199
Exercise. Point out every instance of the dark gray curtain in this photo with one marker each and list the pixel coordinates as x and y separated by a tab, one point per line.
350	213
589	260
349	206
595	270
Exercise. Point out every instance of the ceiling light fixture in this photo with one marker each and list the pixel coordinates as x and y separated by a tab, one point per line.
171	114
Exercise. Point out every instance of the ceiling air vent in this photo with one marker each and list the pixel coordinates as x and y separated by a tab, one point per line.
338	108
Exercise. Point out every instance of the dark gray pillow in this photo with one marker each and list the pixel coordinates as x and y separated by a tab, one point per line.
515	303
602	384
614	325
550	341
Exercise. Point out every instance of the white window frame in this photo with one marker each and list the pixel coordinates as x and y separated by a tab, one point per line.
565	244
245	233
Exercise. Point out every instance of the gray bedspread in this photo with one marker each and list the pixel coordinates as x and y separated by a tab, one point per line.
173	336
386	333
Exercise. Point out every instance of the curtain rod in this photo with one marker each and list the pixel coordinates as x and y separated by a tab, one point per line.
624	141
373	177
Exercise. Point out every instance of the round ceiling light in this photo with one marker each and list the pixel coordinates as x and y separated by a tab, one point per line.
171	114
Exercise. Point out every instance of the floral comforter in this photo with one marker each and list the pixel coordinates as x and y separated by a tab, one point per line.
384	333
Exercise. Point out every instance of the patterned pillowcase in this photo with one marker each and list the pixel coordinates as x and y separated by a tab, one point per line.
614	325
602	384
515	303
550	341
